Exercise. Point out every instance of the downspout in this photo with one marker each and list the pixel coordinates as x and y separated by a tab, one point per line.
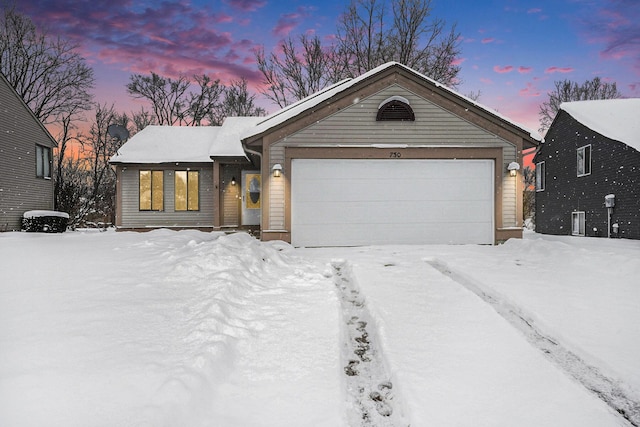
248	150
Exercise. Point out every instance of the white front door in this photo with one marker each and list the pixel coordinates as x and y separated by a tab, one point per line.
251	197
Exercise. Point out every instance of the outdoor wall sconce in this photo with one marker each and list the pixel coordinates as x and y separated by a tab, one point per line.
277	170
233	180
513	168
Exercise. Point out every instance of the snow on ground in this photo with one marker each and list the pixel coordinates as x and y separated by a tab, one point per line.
201	329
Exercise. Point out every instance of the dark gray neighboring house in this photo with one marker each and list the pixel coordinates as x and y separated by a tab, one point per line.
25	160
588	171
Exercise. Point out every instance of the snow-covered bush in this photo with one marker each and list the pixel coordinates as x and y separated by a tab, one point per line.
45	221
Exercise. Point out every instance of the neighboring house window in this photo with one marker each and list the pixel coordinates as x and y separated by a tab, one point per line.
43	161
151	190
584	160
577	223
186	197
540	176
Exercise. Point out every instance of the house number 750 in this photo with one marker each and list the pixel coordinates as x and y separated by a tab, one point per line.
395	155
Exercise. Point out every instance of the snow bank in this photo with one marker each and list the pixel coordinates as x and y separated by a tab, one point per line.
41	213
188	328
164	328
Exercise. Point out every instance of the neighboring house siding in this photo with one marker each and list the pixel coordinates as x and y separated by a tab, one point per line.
615	169
356	126
133	217
20	189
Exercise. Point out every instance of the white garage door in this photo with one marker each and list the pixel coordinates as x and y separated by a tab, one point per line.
344	202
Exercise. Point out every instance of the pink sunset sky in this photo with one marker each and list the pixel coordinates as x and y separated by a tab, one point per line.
512	51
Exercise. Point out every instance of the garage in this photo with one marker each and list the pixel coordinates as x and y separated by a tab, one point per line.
351	202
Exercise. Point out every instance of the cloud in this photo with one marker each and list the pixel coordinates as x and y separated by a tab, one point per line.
286	23
563	70
458	61
488	40
529	91
169	38
524	70
616	25
289	21
246	5
503	70
486	81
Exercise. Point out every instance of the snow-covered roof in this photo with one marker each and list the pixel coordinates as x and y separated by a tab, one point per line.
227	143
164	144
617	119
318	98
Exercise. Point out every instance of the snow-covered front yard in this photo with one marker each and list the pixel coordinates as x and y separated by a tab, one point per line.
204	329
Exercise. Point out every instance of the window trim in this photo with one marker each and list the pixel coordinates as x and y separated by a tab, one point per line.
151	208
541	171
581	223
586	165
197	190
43	161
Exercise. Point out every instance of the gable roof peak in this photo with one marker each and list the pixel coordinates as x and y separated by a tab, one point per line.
617	119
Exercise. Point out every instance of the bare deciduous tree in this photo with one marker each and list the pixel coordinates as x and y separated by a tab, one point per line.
141	119
173	101
301	71
47	72
369	33
529	195
238	102
567	90
412	37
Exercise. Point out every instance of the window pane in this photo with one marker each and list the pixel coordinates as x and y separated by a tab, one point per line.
540	176
46	160
181	190
145	190
39	167
193	191
587	159
580	161
157	187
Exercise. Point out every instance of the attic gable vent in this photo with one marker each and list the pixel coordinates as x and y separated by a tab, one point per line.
395	108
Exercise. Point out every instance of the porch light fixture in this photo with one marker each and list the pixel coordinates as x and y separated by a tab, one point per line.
233	180
513	168
277	170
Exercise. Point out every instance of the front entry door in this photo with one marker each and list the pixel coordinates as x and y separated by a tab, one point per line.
251	197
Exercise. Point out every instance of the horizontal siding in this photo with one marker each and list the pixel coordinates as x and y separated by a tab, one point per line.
509	190
277	194
20	189
231	196
356	125
133	217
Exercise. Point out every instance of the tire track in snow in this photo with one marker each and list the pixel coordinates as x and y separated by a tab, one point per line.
603	387
369	388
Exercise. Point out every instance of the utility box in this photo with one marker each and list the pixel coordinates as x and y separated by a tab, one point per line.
610	200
